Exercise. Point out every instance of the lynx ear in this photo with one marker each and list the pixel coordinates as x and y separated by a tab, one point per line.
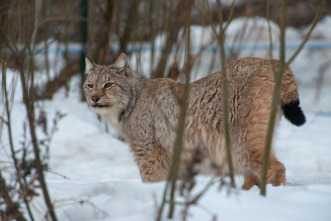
121	62
89	64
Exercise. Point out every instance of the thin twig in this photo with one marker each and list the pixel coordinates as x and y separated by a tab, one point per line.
225	97
11	207
313	25
20	179
164	201
269	29
220	38
28	99
276	95
63	176
205	189
175	165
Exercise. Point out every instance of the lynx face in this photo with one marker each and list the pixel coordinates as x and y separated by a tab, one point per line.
107	87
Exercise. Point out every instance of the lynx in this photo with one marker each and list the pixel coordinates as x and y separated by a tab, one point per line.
145	112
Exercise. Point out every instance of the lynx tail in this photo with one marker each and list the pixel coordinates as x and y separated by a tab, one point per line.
293	113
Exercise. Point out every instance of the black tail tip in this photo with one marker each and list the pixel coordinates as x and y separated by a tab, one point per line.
293	113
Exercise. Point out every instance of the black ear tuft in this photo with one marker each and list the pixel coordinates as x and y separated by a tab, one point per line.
124	50
89	64
85	54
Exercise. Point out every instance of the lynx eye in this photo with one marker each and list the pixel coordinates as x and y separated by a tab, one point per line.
90	86
107	86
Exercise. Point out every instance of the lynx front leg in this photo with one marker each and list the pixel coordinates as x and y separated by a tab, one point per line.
153	162
250	181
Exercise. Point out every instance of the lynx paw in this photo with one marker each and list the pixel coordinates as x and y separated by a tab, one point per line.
276	174
250	181
152	179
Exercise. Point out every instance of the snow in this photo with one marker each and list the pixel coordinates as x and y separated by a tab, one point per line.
92	174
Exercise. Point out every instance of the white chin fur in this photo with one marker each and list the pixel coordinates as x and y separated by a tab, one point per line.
101	111
110	115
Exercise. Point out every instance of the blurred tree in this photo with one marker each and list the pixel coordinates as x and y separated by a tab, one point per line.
83	33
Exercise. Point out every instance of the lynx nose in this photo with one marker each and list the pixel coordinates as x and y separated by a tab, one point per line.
95	99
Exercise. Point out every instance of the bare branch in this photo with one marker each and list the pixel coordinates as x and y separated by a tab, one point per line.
276	96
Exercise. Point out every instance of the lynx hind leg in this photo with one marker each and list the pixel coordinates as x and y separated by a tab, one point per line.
253	150
153	162
276	176
254	133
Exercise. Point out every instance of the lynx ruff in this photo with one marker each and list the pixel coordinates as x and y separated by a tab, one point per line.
145	112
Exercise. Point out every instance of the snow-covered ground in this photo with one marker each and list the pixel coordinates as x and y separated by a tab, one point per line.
93	175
